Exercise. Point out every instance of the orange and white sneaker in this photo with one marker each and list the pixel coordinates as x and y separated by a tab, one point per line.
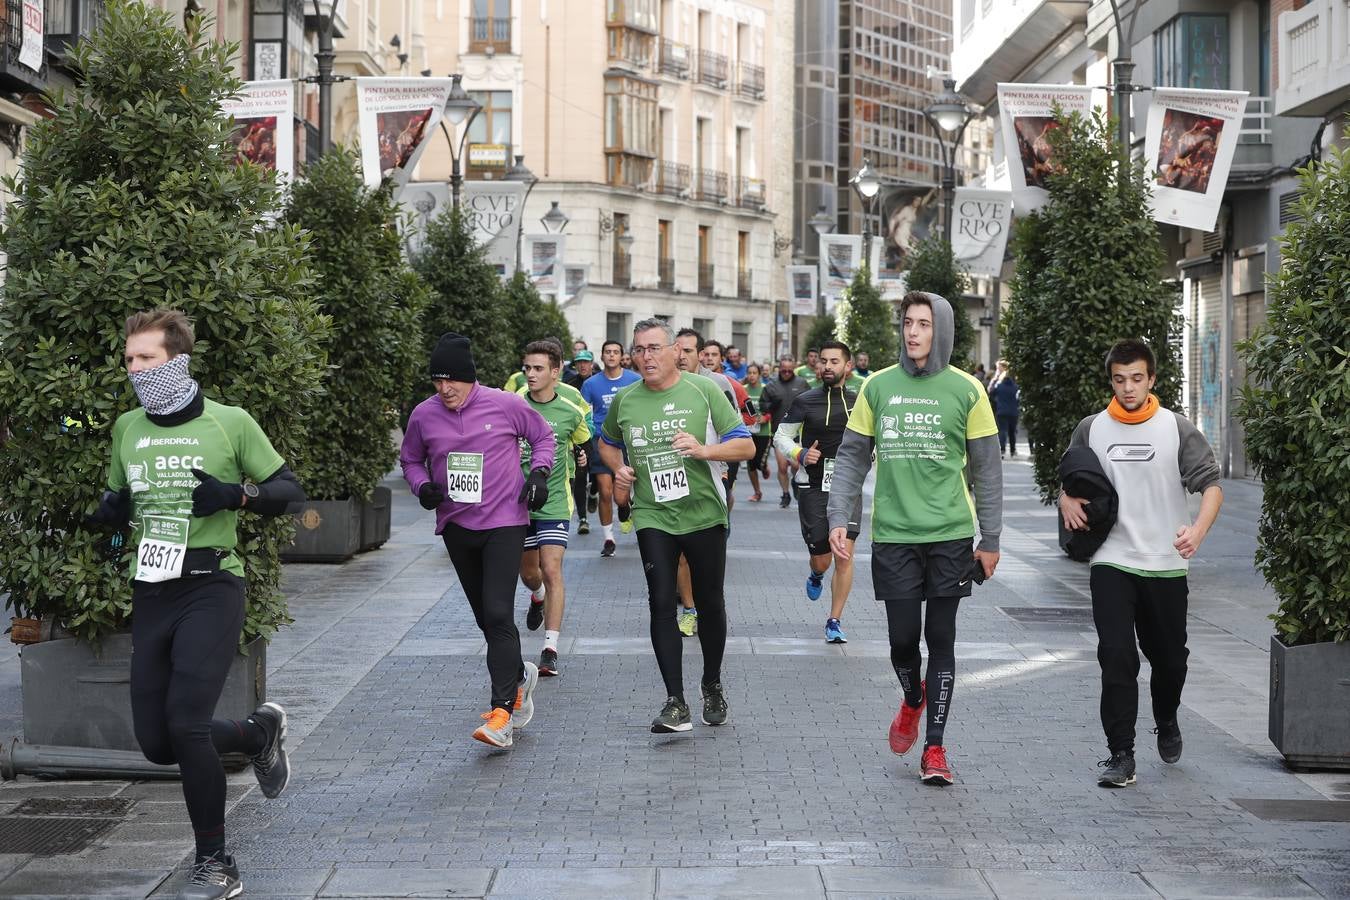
497	729
905	726
934	768
524	707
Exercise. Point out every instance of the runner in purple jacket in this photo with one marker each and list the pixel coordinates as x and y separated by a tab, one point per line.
461	457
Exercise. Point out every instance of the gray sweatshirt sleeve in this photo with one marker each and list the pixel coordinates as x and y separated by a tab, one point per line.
1081	432
1199	469
986	471
851	465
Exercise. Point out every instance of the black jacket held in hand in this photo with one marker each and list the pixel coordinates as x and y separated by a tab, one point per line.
1081	475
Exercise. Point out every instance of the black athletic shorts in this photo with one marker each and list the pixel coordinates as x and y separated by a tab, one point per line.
762	442
812	505
733	469
920	571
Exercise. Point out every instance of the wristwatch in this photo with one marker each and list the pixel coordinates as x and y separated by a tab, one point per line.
250	492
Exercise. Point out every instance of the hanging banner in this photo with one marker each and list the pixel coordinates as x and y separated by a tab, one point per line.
543	261
492	207
840	257
980	223
1192	136
397	118
30	51
575	280
1027	116
801	281
264	125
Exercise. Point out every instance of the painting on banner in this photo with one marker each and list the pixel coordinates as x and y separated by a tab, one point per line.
1192	136
840	257
981	220
264	125
1027	116
543	261
801	281
397	117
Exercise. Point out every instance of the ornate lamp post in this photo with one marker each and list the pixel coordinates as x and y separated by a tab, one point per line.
948	115
866	184
460	109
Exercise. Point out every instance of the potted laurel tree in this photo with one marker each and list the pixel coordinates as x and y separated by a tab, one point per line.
1295	411
129	198
375	302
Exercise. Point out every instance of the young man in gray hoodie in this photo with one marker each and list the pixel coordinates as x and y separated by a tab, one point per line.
927	421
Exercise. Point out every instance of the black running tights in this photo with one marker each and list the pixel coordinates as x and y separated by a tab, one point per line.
488	564
185	634
706	552
904	620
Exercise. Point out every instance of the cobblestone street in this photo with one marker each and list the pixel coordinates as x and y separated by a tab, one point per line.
798	796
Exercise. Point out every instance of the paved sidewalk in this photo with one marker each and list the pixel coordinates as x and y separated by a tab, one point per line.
798	796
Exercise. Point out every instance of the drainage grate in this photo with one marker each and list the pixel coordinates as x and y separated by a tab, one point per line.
95	807
1048	615
1297	810
47	837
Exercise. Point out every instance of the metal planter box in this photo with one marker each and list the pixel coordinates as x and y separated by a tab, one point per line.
1310	704
76	697
376	518
325	531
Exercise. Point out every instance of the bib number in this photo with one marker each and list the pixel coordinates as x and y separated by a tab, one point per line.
464	477
163	546
668	477
827	475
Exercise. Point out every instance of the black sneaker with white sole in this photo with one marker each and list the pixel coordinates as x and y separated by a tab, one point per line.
534	616
674	717
548	663
212	878
1119	770
608	550
1169	741
714	704
271	765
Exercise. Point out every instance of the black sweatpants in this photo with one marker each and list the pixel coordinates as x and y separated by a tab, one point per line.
488	564
1007	433
184	635
1123	605
706	552
580	486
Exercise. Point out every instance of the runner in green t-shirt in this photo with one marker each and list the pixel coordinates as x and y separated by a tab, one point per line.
677	427
181	469
541	565
926	421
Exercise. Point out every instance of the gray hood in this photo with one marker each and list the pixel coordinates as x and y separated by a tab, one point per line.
944	334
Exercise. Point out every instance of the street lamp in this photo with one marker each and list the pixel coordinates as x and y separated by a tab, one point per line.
822	223
866	184
519	172
460	109
948	115
325	79
555	220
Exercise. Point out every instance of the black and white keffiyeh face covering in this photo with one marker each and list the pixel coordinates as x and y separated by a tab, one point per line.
167	388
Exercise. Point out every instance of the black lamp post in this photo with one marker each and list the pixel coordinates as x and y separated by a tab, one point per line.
866	184
325	79
948	115
519	172
555	220
460	109
822	223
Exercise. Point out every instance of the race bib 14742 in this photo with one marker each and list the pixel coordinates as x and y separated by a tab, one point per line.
668	477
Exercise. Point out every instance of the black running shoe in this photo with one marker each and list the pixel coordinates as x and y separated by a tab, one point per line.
271	766
609	548
583	527
592	503
1119	770
212	878
785	502
674	717
548	663
1169	741
714	704
535	616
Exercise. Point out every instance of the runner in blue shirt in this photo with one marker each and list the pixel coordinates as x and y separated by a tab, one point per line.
599	391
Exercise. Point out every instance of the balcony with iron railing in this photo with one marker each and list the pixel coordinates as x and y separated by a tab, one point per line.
750	80
709	184
750	193
14	75
665	273
671	178
623	270
1314	59
673	59
744	285
706	274
712	68
489	34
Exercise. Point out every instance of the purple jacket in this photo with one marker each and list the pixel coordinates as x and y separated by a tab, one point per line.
490	422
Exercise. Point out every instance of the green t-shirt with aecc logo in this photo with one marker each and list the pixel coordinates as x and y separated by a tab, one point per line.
673	493
568	421
920	426
156	462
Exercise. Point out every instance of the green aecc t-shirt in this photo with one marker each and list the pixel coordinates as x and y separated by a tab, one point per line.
568	421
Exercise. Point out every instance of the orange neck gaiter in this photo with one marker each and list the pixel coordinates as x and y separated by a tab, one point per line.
1142	414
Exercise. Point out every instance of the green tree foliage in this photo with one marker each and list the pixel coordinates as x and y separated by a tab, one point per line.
466	298
130	198
534	317
932	268
866	323
822	330
1296	414
376	303
1087	275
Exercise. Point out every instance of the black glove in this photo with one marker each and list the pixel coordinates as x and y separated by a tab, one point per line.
213	495
430	496
535	492
113	509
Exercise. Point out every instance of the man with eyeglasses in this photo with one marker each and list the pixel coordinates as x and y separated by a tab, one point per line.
677	430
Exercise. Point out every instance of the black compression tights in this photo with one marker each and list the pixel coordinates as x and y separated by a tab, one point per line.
185	634
904	621
706	552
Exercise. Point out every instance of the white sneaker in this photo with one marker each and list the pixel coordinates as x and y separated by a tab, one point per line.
524	710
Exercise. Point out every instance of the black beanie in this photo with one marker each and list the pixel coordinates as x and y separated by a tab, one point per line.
452	359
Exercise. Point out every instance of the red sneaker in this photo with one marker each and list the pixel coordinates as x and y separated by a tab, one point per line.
934	769
905	726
